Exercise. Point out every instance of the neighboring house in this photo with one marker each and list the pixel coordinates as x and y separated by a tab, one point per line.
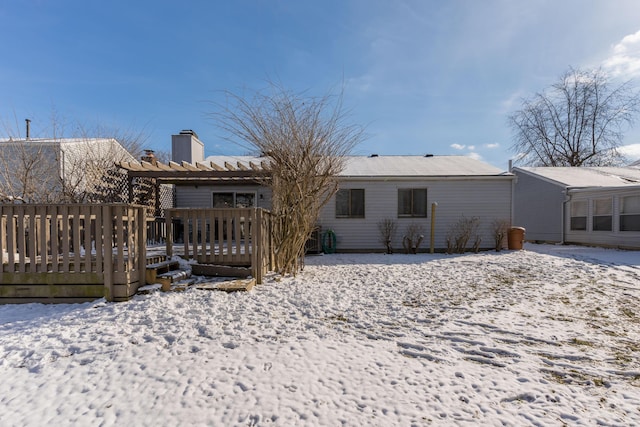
583	205
374	188
43	170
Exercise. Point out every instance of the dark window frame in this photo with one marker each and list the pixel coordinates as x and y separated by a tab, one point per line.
234	196
355	197
413	211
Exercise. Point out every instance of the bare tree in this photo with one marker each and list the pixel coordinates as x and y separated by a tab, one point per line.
578	121
29	172
305	139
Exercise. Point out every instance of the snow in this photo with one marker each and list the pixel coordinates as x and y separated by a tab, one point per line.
544	336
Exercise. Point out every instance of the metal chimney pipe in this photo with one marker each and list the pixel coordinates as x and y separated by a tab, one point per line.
28	121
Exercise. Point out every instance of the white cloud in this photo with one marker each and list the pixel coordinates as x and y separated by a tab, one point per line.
474	156
458	146
625	60
471	147
492	146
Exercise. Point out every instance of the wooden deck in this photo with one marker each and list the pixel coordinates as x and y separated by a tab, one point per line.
74	253
66	253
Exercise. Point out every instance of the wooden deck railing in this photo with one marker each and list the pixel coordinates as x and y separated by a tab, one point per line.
71	252
231	237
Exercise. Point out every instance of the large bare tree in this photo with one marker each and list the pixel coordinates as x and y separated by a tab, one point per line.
578	121
306	140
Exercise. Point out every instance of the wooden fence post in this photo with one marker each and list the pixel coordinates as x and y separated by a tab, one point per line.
141	250
256	245
107	241
169	226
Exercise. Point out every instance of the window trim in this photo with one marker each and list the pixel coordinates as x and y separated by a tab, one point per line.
622	215
413	214
609	201
349	204
235	198
572	227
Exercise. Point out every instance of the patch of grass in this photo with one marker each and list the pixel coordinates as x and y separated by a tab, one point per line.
623	358
628	312
337	318
578	341
413	303
504	280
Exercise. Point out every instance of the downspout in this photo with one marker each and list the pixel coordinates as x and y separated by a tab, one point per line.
563	212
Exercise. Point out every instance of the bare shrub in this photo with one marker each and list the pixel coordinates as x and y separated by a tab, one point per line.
461	232
500	229
388	228
413	238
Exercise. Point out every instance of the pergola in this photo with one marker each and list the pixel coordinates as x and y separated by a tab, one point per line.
184	173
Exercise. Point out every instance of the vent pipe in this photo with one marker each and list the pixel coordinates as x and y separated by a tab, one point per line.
28	122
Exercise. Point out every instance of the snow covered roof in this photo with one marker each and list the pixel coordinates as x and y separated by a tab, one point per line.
398	166
361	166
581	177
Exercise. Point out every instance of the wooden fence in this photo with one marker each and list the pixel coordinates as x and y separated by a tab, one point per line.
230	237
65	253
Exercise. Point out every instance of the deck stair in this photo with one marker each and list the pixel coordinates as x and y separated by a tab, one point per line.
228	278
230	285
166	273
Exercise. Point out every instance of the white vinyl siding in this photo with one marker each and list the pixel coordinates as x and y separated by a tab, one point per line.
538	206
488	200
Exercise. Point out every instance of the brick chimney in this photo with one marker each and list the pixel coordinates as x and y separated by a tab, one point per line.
149	157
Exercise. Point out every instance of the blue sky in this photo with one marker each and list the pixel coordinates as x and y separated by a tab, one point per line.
423	76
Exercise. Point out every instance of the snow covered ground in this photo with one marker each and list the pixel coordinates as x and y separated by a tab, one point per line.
544	336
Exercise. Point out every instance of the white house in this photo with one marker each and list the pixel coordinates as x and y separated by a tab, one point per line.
585	205
38	168
401	188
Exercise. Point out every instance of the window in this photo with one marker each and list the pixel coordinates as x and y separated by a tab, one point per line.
350	203
630	213
412	202
602	211
234	200
579	215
